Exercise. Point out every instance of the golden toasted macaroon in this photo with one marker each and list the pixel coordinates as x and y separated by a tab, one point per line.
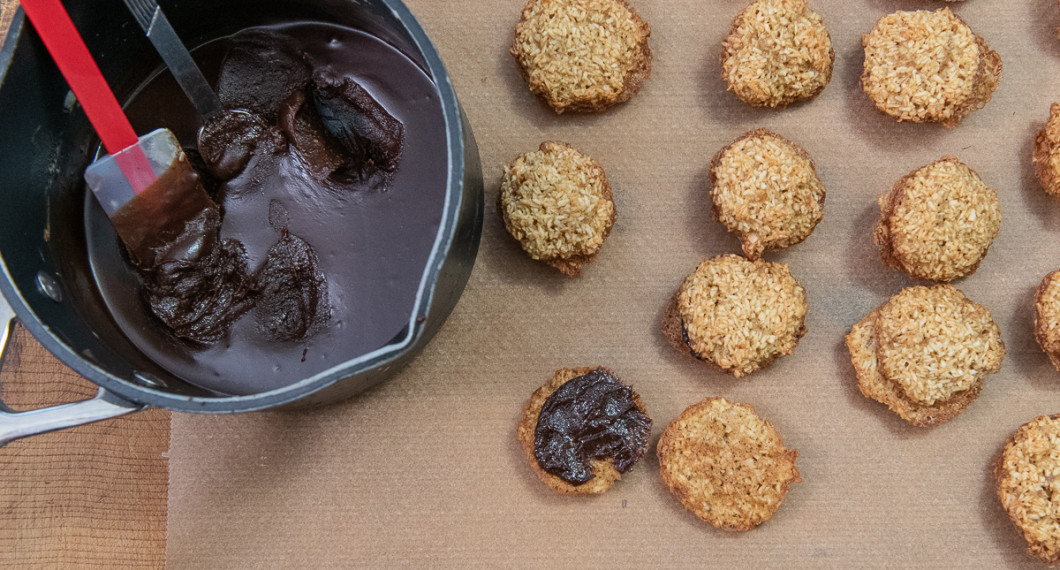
1047	316
1046	156
737	314
582	55
1028	484
726	464
557	203
873	384
777	52
766	191
928	67
628	422
933	342
938	221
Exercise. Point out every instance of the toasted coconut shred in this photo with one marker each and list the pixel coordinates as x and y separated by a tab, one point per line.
582	55
766	191
556	202
741	315
778	52
928	66
1028	484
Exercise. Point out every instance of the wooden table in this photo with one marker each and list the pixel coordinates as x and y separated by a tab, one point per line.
89	496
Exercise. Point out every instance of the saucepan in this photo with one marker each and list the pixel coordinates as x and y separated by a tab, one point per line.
45	274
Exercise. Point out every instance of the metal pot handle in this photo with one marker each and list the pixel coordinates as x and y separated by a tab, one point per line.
15	425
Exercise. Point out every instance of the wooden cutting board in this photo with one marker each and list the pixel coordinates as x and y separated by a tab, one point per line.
89	496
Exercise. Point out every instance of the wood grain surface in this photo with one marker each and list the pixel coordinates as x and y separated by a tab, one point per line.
88	496
84	497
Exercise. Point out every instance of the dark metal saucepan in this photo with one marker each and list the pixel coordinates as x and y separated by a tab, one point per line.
45	144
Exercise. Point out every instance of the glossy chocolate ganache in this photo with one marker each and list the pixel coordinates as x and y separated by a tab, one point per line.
327	171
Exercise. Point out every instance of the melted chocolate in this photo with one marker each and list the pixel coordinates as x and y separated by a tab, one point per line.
309	257
590	417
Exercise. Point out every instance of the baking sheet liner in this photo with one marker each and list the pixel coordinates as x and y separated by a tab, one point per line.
426	470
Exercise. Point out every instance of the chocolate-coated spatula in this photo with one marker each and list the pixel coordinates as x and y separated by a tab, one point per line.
146	184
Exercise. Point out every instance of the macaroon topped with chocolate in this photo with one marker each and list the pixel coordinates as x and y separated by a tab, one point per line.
583	429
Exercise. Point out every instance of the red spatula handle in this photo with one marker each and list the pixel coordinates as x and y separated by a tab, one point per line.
52	23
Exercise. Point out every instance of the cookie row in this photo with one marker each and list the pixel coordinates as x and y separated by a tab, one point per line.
583	429
937	223
558	204
920	66
740	314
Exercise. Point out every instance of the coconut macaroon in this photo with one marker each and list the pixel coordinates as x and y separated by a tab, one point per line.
737	314
583	429
582	55
1046	156
862	345
1029	486
777	52
766	191
925	352
726	464
928	67
938	221
557	203
1047	316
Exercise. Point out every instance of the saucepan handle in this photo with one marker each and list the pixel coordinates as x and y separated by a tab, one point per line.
15	425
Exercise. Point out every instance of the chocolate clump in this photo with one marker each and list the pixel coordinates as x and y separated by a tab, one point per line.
590	417
293	299
228	140
367	132
198	283
340	131
320	156
261	70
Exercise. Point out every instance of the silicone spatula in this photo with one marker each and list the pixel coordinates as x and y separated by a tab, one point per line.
145	184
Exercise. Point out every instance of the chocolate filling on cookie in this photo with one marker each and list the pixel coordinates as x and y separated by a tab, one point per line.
590	417
688	342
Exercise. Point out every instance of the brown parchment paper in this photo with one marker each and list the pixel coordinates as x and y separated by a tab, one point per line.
426	470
